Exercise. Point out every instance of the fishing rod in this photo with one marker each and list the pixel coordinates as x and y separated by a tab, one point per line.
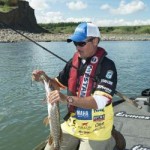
116	92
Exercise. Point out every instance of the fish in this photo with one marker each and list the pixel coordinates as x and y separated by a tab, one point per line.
53	119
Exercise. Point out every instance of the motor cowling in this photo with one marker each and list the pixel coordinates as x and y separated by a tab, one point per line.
146	92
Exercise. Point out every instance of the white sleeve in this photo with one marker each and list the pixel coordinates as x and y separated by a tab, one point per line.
101	101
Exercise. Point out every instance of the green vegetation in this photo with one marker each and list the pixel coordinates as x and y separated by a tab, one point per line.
68	28
5	8
60	27
7	5
127	29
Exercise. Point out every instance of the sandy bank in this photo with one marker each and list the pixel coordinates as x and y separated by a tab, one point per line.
7	35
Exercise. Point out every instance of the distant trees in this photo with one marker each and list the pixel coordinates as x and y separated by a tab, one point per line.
10	3
70	26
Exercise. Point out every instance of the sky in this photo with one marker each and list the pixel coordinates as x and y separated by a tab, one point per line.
101	12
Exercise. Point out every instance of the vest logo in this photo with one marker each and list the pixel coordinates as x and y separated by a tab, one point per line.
86	81
94	60
109	74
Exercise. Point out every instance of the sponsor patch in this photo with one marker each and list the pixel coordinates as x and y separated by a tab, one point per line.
107	81
98	110
99	126
99	118
81	132
109	74
83	114
85	126
101	87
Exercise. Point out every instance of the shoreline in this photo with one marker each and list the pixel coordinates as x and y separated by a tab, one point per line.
8	36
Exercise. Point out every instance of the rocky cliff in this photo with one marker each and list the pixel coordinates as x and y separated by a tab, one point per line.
21	18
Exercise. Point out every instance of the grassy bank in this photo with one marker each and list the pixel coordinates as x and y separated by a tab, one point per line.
8	5
68	28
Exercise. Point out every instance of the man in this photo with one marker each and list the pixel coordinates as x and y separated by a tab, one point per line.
91	80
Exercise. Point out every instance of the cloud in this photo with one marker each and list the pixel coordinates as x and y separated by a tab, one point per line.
125	8
105	7
78	5
55	17
50	17
121	22
38	5
44	15
78	20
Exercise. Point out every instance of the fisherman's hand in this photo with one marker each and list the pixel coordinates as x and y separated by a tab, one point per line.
54	84
56	96
36	75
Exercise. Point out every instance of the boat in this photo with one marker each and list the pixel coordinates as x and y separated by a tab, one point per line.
134	122
132	119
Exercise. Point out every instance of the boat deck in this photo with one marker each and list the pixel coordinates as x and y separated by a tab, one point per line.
134	124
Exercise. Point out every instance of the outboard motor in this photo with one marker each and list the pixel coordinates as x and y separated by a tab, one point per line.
144	100
146	92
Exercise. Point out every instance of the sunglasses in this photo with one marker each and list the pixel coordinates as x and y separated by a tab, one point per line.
81	44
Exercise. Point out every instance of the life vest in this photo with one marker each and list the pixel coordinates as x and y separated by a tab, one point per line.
87	123
86	80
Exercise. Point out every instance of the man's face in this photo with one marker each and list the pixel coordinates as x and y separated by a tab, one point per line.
87	49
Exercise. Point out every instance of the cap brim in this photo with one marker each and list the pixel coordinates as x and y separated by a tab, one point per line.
76	38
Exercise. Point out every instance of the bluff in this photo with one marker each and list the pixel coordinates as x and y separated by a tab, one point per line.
21	18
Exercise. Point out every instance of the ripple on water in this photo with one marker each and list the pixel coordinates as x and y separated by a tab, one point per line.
21	107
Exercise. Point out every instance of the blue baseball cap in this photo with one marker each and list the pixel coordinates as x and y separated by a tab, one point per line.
84	30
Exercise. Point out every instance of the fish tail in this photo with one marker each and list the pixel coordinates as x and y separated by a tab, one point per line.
56	148
50	141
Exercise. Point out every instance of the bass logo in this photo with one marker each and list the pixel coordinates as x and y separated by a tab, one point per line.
109	74
94	60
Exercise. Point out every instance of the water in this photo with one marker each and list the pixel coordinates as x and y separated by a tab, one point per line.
21	107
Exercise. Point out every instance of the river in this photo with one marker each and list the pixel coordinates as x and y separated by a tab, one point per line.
21	107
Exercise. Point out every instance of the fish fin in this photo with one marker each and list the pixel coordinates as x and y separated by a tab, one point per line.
44	100
46	121
50	140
